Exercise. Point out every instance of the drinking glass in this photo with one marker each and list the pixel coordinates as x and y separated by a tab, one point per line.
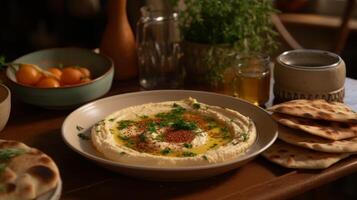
251	79
159	51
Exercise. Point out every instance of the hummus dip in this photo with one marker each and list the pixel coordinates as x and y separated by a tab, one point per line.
173	133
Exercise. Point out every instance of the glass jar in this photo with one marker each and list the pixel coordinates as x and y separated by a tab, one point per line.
159	51
250	79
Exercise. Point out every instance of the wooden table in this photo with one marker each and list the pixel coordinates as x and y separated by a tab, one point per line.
82	179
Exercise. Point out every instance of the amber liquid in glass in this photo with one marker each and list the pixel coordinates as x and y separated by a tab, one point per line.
253	85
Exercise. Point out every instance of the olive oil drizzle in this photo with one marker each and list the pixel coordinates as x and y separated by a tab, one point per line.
218	134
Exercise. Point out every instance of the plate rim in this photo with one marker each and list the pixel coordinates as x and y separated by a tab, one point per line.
106	161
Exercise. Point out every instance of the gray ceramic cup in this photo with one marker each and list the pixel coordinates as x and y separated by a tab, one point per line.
309	74
5	105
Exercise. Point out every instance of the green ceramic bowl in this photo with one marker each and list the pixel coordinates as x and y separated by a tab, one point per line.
100	66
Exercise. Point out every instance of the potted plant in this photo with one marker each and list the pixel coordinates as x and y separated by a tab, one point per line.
215	32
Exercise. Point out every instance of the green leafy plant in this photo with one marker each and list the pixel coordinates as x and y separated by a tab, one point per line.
244	26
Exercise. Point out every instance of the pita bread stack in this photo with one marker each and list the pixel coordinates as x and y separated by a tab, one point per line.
314	134
25	173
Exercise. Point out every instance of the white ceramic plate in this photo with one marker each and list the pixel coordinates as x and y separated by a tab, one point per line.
89	114
54	194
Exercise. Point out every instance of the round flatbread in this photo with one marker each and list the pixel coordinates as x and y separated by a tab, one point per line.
25	173
291	156
300	138
317	109
326	129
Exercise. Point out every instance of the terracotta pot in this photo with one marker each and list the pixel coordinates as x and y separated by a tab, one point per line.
194	60
198	62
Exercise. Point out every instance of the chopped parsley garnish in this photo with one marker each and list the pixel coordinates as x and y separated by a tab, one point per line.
166	116
7	154
151	127
196	106
83	136
142	137
180	124
244	136
124	124
187	145
175	120
226	134
166	151
129	142
144	117
164	123
175	113
111	120
79	128
212	125
213	146
188	154
178	110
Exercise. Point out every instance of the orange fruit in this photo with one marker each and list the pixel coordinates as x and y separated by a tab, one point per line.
85	71
48	82
85	80
55	71
71	76
27	74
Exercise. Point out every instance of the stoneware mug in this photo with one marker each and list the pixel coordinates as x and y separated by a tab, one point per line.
309	74
5	105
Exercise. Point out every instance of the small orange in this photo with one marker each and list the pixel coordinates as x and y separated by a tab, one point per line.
85	71
71	76
55	71
85	80
48	82
28	74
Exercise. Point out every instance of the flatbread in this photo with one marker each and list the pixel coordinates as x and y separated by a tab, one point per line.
300	138
322	128
317	109
291	156
28	175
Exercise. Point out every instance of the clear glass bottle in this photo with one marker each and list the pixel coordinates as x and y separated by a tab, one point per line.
159	50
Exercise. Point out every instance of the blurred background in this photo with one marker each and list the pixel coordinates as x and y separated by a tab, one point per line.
36	24
29	25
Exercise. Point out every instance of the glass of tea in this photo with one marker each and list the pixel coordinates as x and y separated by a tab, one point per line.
252	79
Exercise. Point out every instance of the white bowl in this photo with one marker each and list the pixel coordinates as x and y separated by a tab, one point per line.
5	105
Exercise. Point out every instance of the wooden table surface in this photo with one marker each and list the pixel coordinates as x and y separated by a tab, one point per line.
83	179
